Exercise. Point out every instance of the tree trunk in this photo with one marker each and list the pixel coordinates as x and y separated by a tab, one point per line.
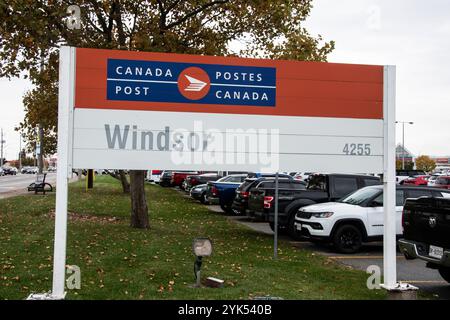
124	181
122	176
139	209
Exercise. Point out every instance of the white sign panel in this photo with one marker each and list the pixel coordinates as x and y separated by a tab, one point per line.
146	110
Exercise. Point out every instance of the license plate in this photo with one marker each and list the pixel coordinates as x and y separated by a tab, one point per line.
299	226
436	252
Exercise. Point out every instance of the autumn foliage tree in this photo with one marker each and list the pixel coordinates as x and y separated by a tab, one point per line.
34	29
425	163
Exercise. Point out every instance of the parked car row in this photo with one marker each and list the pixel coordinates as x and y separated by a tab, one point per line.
29	170
435	180
442	182
7	170
344	210
405	174
253	194
172	178
321	188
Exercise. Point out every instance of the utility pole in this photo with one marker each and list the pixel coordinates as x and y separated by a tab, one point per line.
40	143
39	151
403	140
20	152
1	147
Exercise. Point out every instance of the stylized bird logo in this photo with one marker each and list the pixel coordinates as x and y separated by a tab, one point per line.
194	84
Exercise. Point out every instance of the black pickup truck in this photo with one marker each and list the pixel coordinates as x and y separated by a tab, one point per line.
426	232
240	202
321	188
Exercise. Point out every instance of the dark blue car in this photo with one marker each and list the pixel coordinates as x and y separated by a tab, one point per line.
240	203
222	191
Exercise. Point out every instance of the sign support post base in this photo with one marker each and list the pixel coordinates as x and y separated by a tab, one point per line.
45	296
401	291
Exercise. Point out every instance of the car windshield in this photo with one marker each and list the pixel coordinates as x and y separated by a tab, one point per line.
317	182
247	183
224	179
360	196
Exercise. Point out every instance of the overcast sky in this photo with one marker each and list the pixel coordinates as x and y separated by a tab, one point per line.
414	35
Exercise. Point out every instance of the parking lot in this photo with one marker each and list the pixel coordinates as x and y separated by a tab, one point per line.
413	272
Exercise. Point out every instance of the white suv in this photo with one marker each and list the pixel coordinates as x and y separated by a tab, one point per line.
357	218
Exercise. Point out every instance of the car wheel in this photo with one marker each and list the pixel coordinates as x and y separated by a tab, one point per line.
291	229
224	208
348	239
272	226
281	230
203	199
445	273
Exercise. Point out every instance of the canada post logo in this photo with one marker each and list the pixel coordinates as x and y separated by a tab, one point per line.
157	81
194	83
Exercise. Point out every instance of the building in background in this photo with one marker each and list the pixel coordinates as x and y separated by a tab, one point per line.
403	153
442	163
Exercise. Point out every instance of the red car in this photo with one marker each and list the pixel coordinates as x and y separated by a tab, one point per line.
194	180
416	181
178	177
442	182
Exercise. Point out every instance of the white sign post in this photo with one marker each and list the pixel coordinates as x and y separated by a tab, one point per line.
389	198
391	283
65	116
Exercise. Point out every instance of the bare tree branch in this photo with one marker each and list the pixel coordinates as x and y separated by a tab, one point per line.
100	18
173	5
118	18
195	12
160	6
162	17
111	20
133	27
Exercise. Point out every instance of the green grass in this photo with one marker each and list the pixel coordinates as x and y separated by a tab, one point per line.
118	262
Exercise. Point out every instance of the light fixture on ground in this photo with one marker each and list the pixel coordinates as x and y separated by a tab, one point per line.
202	247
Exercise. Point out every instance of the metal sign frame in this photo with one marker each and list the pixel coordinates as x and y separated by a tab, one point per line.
66	102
